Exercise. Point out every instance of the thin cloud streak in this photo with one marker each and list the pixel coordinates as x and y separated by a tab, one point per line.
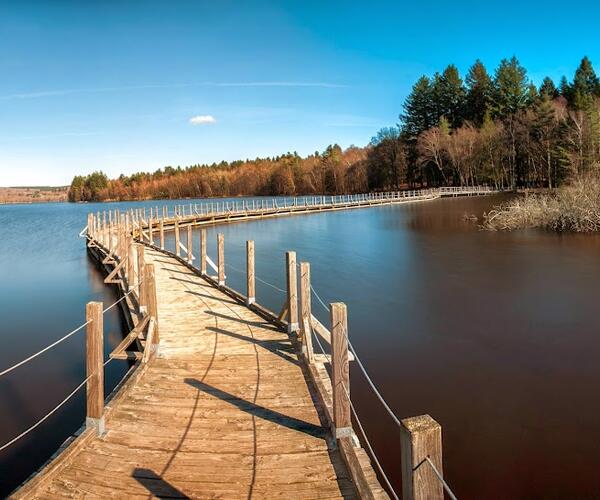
63	92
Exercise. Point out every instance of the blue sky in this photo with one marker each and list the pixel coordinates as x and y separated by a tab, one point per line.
113	85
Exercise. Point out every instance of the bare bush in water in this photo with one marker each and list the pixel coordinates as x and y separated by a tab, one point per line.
575	208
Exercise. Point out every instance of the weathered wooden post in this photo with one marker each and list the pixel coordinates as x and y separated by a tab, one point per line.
131	270
150	293
161	229
150	229
95	367
306	312
142	299
203	252
177	238
340	371
250	278
292	292
421	438
221	258
189	244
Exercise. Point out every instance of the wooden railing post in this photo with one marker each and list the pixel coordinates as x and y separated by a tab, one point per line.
306	312
292	291
150	293
203	252
189	243
221	258
141	264
161	229
420	438
131	270
251	286
177	238
150	229
95	367
340	371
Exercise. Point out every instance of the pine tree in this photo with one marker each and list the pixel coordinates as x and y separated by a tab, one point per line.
479	93
450	96
548	89
418	113
511	90
565	88
585	85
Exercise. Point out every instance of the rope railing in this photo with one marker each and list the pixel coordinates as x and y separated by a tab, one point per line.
275	287
439	476
65	337
51	412
384	404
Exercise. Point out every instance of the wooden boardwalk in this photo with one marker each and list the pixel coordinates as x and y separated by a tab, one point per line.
225	399
226	410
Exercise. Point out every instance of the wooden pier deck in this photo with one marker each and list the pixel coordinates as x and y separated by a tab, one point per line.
227	410
225	399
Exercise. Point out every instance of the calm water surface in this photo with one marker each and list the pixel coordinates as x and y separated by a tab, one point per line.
493	334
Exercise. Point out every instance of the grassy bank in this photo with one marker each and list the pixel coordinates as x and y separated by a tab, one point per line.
574	208
32	194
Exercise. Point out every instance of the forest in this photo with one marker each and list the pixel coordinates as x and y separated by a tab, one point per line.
497	128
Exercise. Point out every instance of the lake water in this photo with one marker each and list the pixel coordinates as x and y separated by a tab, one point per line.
493	334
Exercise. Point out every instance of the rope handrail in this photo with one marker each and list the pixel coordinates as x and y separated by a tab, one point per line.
51	412
362	430
439	476
256	278
65	337
385	405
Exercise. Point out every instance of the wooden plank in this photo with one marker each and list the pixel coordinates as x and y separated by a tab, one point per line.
130	338
221	257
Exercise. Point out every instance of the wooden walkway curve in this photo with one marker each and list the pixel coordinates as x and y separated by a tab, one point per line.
226	399
225	411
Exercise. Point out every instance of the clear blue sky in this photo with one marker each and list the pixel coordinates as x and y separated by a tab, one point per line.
113	85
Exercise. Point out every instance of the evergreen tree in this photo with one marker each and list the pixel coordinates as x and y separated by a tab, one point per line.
548	89
511	91
585	85
450	96
418	112
564	88
479	93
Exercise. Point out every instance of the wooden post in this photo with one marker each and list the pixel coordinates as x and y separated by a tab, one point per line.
306	312
189	243
421	437
221	257
131	270
152	304
150	229
251	285
95	367
203	252
161	229
177	238
340	371
142	300
292	292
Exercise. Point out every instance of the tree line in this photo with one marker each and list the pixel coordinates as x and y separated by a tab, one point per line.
488	128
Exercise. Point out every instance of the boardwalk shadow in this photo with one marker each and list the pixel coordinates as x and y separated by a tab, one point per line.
274	346
260	411
156	485
259	324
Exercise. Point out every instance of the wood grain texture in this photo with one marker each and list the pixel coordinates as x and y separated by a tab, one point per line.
95	360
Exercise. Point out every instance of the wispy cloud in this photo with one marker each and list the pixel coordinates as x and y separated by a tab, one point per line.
203	120
91	90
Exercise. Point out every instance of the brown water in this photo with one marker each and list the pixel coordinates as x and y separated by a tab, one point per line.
493	334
